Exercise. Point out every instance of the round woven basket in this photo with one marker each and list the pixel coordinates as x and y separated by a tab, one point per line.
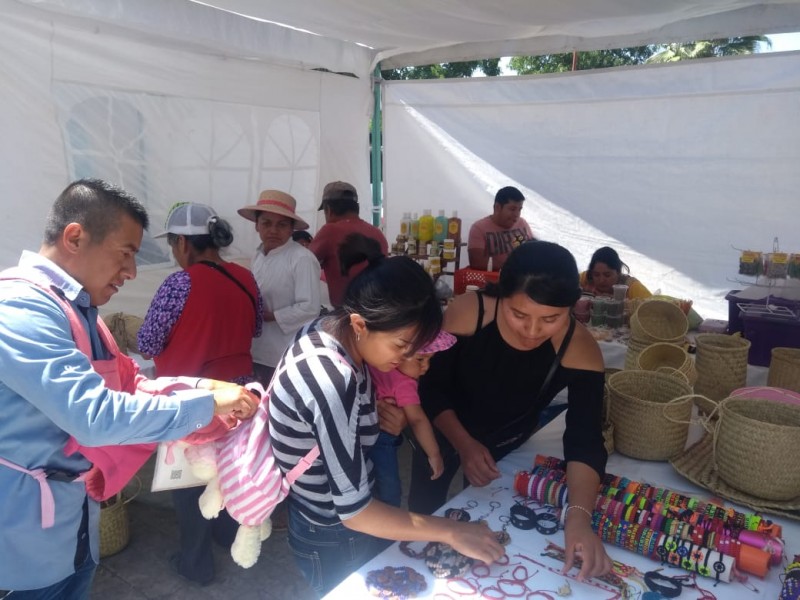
635	347
659	321
754	447
667	358
784	369
608	426
115	532
648	423
721	364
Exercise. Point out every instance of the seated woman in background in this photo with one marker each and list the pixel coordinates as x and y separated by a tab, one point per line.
606	270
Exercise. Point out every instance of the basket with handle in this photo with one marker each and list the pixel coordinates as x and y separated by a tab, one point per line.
115	529
667	358
721	364
784	369
635	347
464	277
754	443
659	321
608	426
650	412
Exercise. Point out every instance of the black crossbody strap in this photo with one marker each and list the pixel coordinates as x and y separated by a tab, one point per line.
224	271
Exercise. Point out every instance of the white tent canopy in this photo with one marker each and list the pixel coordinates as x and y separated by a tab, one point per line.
177	100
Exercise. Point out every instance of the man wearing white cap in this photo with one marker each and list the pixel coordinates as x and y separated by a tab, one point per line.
340	203
287	274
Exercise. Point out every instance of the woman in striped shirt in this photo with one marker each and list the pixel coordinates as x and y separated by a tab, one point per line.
326	399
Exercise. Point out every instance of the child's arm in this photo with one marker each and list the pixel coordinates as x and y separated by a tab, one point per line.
423	431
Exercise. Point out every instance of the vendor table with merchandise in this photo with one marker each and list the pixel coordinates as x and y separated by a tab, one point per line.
528	571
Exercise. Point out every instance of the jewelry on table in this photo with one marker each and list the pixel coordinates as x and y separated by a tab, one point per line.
396	583
669	587
493	506
460	514
524	517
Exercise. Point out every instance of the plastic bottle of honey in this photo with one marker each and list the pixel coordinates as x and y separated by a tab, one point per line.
426	226
405	224
414	227
454	228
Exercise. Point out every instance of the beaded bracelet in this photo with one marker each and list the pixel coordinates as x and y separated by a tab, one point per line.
396	583
669	587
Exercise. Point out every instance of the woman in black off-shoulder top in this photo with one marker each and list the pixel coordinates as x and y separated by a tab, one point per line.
518	346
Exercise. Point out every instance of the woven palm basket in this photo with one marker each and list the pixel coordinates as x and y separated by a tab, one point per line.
667	358
755	447
635	347
696	463
608	426
659	321
115	532
784	369
649	413
721	364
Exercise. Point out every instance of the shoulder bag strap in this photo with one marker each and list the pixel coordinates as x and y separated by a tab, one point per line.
225	272
481	310
550	374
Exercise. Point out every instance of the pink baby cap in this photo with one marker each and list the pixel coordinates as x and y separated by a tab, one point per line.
442	342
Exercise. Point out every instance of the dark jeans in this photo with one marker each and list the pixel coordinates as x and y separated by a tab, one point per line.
326	555
74	587
386	469
196	557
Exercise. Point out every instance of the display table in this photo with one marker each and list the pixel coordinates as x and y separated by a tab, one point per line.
493	503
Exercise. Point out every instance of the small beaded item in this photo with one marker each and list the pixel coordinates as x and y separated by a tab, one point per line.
396	583
790	590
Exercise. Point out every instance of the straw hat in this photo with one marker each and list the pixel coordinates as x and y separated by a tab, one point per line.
276	202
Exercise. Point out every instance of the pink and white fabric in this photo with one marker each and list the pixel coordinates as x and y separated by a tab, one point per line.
250	479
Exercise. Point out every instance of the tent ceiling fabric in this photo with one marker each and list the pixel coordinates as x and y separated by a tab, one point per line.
424	32
353	35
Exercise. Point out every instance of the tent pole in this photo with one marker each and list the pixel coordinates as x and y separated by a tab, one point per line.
376	163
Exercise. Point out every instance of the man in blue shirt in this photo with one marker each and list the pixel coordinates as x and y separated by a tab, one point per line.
50	390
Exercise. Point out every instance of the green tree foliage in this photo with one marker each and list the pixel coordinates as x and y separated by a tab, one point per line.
489	67
596	59
709	49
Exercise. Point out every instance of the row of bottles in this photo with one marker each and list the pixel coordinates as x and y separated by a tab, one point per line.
426	229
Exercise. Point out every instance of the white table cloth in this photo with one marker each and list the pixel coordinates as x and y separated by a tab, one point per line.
530	543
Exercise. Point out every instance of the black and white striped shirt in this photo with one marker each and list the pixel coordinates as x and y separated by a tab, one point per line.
320	400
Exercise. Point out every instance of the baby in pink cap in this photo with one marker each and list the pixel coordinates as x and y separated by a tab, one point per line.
400	387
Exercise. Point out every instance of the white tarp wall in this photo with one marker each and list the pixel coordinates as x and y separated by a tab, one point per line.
169	123
673	165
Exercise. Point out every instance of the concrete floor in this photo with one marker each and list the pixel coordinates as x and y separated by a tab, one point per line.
142	572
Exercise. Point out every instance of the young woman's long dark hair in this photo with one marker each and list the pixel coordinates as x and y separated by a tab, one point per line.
390	293
545	271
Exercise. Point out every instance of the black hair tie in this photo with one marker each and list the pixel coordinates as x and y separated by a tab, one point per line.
669	587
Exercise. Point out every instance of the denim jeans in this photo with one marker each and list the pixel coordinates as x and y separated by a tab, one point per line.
195	560
386	469
326	555
75	587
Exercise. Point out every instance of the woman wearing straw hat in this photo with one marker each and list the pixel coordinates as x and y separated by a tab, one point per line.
201	322
288	277
517	347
